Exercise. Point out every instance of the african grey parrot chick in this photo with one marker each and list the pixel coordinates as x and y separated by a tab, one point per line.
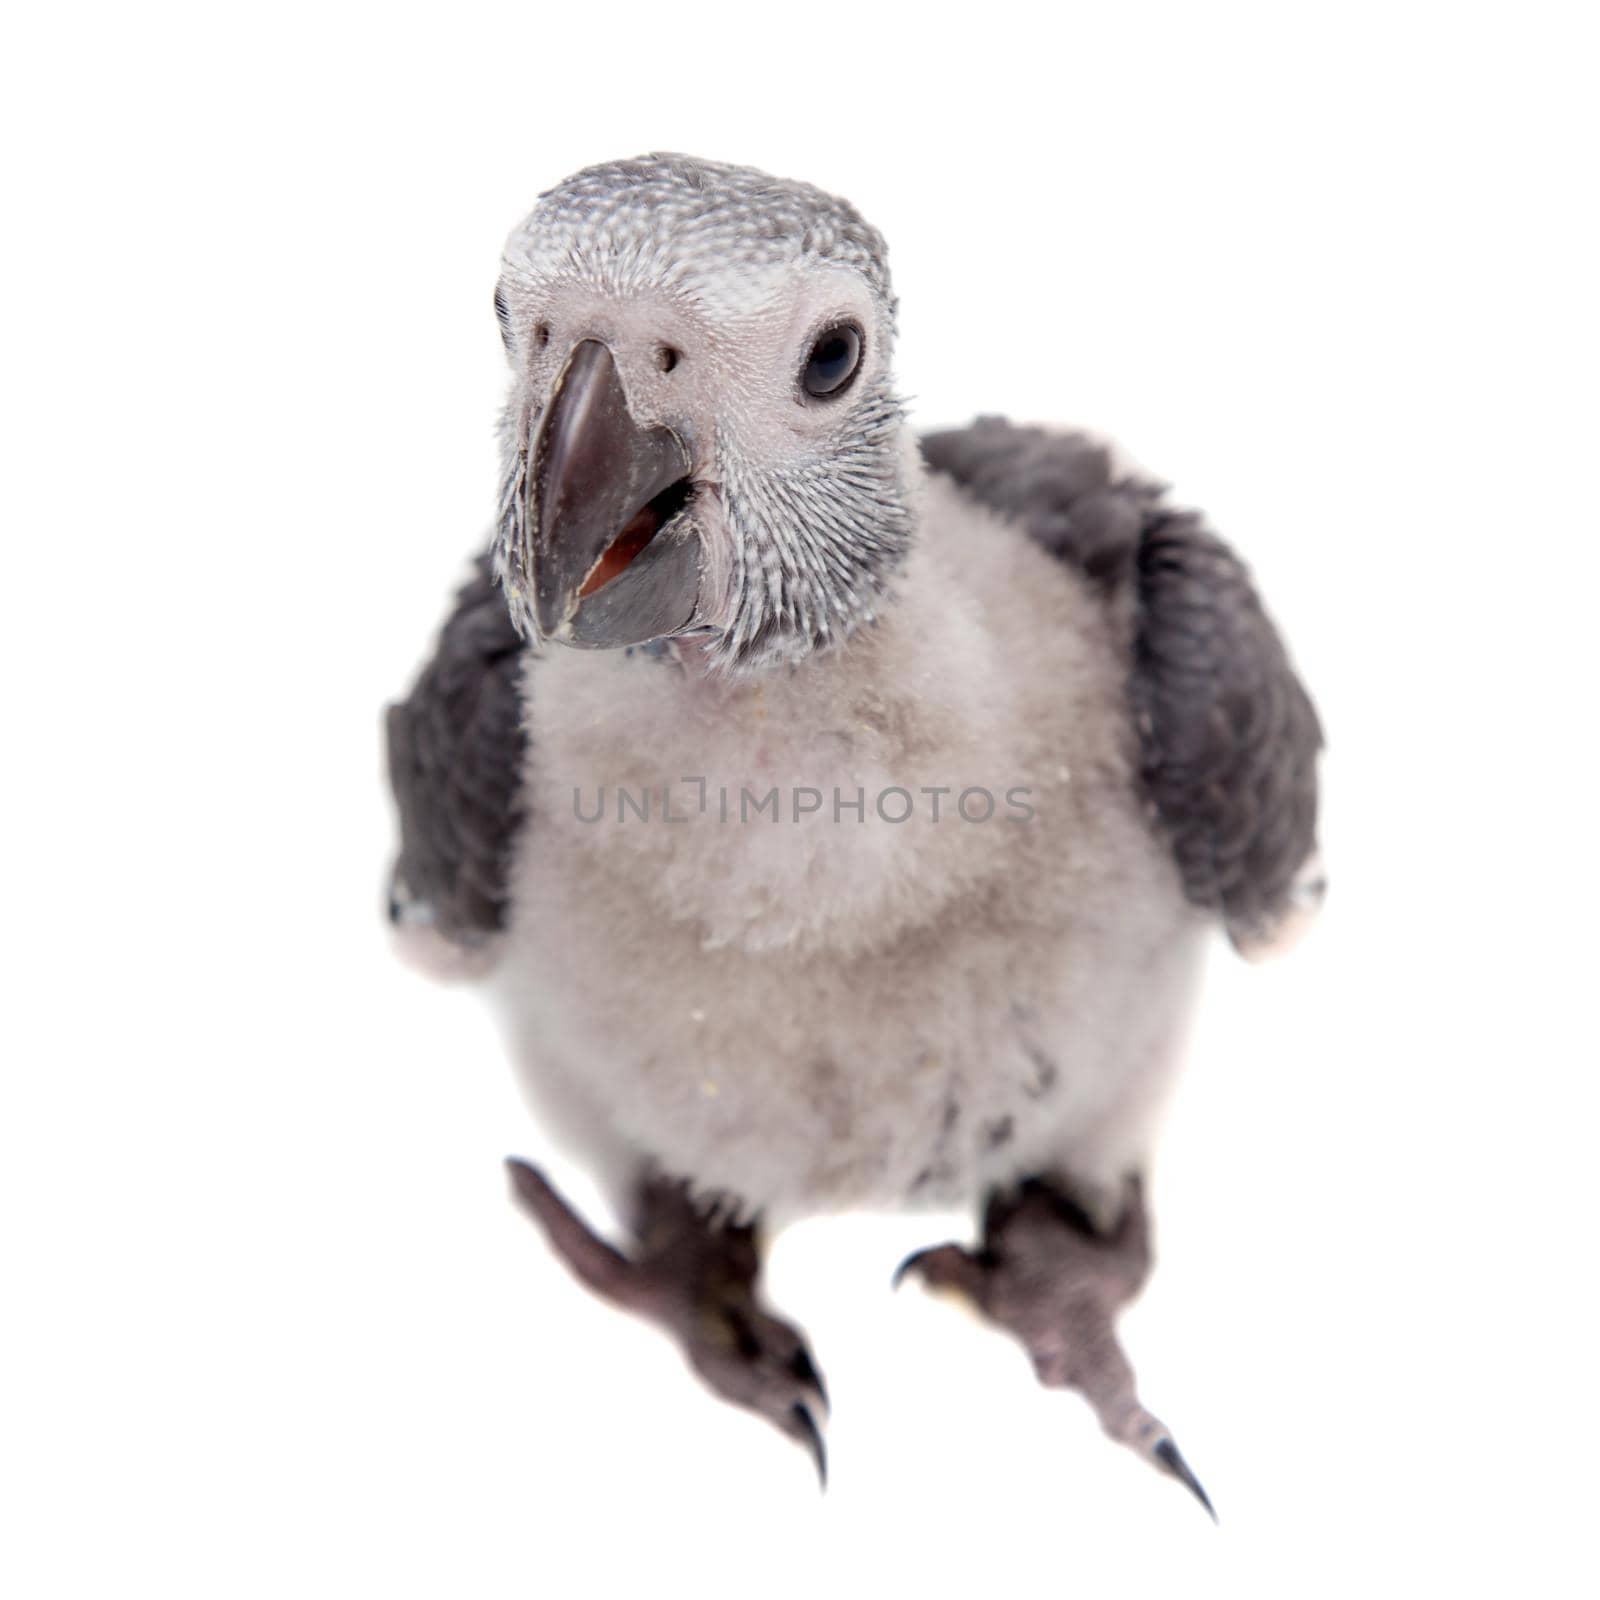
863	852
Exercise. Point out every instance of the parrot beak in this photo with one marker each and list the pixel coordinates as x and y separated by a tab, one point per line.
612	565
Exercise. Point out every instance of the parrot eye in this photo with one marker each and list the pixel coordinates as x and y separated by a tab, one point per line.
833	361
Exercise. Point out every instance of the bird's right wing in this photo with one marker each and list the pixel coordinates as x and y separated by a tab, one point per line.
456	746
1228	736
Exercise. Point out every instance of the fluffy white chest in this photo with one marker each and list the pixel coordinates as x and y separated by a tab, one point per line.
880	930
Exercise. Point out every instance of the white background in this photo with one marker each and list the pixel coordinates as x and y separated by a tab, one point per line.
270	1326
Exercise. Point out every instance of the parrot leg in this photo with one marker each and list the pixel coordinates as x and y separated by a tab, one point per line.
1044	1274
696	1278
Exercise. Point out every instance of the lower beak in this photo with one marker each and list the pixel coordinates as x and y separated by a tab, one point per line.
611	564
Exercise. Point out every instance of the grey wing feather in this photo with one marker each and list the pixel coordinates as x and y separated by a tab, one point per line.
456	748
1228	736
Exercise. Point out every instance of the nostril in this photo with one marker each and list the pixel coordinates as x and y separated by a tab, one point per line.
666	357
541	335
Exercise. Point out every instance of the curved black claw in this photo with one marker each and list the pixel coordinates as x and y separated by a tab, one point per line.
805	1369
908	1265
944	1266
1172	1461
803	1426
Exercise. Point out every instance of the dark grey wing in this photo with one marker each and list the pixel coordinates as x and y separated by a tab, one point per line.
1228	736
456	746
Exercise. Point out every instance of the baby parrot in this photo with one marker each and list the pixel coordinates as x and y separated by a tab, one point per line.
860	846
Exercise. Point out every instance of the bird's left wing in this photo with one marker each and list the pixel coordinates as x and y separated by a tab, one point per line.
456	746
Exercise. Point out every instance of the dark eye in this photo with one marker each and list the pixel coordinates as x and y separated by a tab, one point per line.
833	361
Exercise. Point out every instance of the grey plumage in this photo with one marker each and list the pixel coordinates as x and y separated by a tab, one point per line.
456	746
1228	736
807	1010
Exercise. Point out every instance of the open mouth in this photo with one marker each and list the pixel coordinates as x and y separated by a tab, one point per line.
636	535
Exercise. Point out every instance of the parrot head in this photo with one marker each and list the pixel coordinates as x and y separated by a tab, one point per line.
702	438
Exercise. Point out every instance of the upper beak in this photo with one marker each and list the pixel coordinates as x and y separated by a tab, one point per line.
601	489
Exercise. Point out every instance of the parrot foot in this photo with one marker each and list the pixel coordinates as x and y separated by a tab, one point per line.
696	1278
1046	1276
